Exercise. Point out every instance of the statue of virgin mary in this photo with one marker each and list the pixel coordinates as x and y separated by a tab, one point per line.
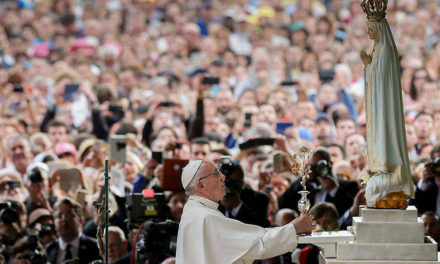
390	183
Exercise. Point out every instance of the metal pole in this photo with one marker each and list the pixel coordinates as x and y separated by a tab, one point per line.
106	210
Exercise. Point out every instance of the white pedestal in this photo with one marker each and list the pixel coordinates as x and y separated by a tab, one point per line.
388	232
389	215
383	236
327	241
388	251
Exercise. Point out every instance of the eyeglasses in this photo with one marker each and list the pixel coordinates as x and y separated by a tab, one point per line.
216	172
67	215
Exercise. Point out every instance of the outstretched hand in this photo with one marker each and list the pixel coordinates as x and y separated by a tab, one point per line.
304	224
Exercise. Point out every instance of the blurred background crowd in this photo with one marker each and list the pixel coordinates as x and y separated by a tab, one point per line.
74	73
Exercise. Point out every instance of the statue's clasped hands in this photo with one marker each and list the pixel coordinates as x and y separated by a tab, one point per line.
366	58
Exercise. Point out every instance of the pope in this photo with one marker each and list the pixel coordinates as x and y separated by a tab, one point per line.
207	236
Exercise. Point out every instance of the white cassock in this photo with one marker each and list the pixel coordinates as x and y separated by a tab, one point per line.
207	236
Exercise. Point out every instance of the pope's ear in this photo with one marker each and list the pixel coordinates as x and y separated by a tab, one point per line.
200	185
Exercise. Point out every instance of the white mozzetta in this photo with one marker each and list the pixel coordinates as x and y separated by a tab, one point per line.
388	232
389	215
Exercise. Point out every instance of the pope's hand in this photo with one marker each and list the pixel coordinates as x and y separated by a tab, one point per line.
304	224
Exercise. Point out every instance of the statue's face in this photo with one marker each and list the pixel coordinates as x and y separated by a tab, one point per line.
371	33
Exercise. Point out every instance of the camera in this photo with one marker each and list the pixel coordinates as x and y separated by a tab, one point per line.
326	75
227	166
47	230
158	239
321	169
8	214
36	254
18	88
157	242
211	80
145	206
167	104
434	167
248	119
36	257
10	185
35	176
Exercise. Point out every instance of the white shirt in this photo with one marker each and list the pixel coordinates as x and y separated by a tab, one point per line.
207	236
234	211
322	193
74	249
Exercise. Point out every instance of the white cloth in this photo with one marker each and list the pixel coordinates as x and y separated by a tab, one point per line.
386	139
74	249
206	236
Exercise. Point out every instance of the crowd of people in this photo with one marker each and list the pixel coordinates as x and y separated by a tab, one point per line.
197	80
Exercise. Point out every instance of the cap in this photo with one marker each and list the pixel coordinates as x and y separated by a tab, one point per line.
322	116
84	146
240	17
305	134
64	147
38	165
37	214
190	171
300	25
41	50
82	43
197	71
43	157
266	11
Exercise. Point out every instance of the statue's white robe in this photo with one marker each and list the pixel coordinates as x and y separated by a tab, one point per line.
206	236
386	139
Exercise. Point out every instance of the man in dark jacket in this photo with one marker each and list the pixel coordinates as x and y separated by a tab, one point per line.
322	185
71	243
242	203
427	191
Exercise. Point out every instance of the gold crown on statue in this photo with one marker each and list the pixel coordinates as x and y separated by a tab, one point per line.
375	9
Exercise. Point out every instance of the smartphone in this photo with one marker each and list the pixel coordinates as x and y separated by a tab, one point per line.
69	179
211	80
282	126
116	109
81	196
172	171
326	75
264	141
247	119
157	155
54	166
18	88
69	91
118	179
278	162
118	150
256	142
167	104
288	83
